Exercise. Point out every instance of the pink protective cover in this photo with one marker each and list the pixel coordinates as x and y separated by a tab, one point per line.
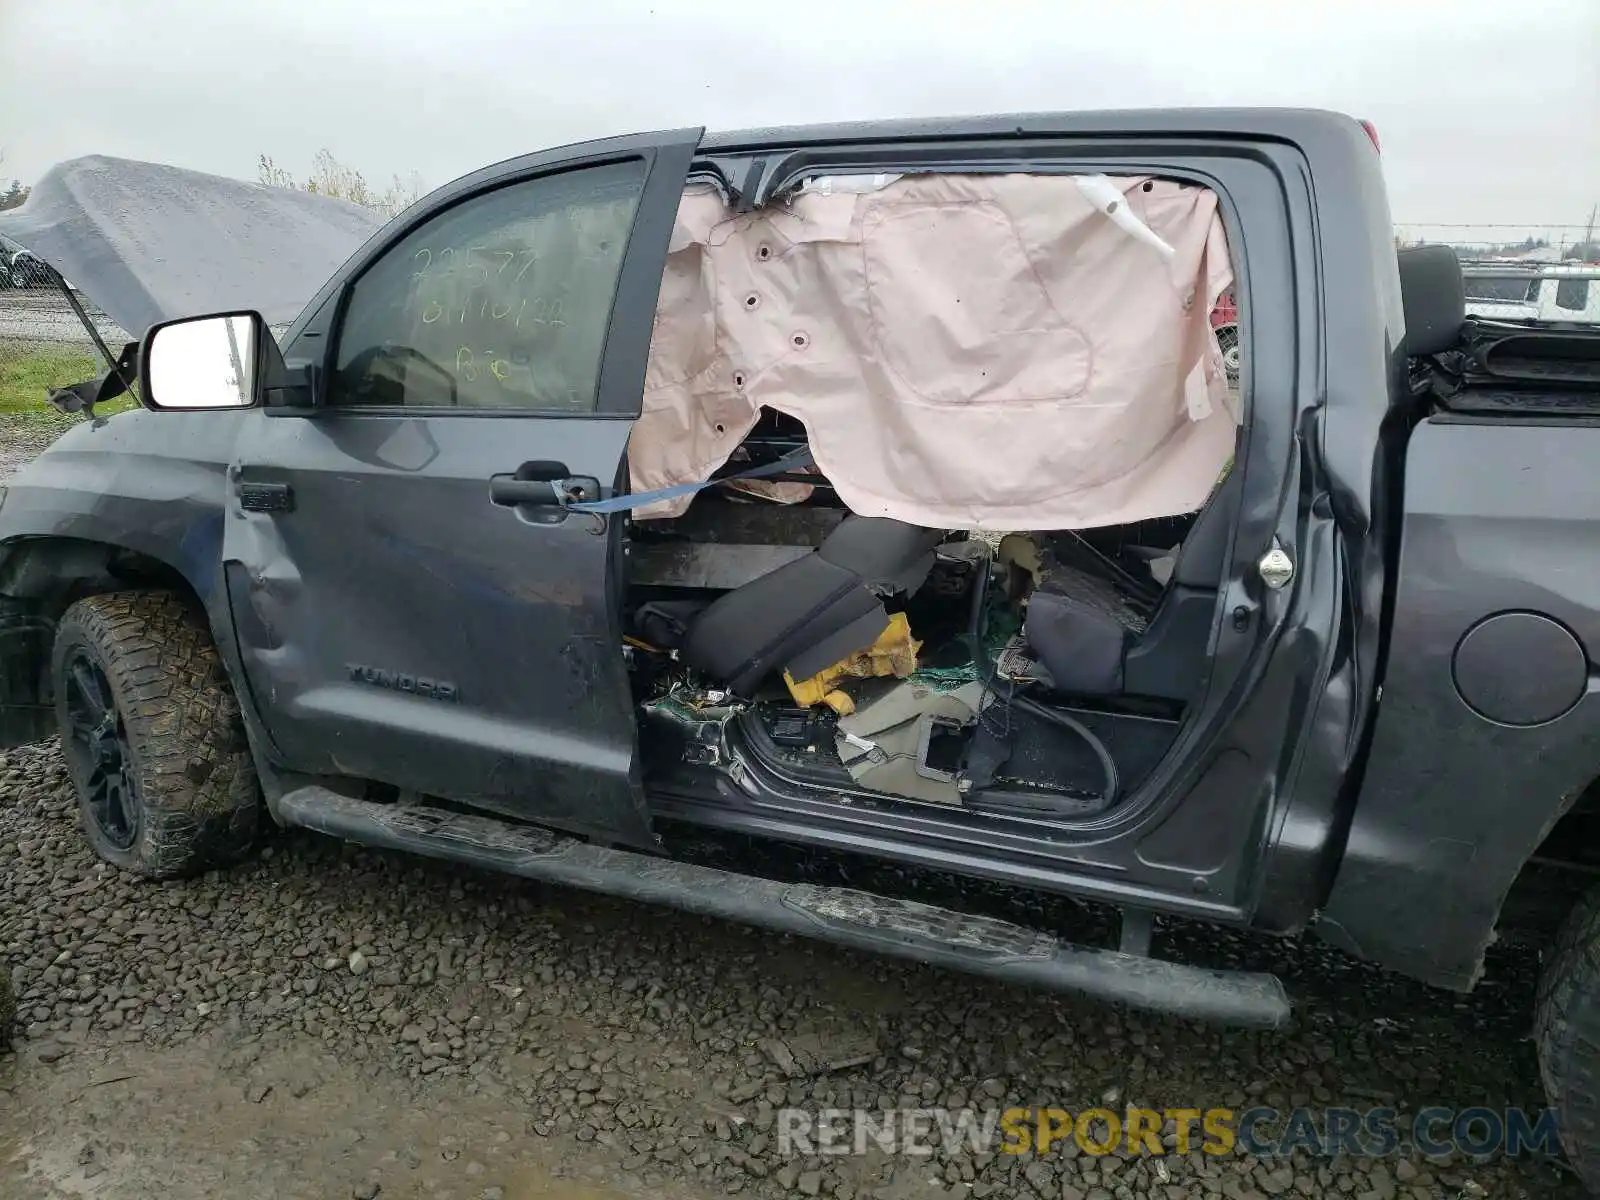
966	351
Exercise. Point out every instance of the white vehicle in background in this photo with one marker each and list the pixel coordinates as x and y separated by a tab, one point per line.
1546	293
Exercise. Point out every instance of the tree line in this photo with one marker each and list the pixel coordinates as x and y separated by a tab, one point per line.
13	193
330	177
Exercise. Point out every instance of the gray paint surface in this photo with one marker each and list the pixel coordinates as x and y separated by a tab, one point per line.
1500	517
396	561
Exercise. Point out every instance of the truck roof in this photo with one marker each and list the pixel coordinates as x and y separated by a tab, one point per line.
1481	269
1288	123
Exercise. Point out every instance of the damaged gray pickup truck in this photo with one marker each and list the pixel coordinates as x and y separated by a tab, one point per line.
878	489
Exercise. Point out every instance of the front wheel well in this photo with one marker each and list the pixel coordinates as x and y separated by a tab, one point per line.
53	573
40	578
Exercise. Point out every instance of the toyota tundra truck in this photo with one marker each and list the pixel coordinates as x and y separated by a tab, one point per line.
877	489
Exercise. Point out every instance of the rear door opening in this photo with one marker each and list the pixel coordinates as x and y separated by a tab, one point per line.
986	664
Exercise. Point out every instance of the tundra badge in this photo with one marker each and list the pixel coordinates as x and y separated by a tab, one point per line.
399	681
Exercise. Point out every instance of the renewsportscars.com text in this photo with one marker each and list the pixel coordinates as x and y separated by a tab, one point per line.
1260	1132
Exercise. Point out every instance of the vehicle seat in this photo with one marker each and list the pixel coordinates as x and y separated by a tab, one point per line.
814	611
1095	640
1433	298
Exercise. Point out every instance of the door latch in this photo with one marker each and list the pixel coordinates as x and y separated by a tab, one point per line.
1276	567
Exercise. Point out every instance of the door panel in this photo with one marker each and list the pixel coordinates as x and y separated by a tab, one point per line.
418	608
407	629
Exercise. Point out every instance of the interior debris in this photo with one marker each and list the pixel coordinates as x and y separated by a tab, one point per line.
994	582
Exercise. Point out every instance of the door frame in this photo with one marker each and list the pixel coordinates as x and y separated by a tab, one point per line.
1206	828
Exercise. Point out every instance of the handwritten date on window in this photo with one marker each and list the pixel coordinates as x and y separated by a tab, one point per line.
481	284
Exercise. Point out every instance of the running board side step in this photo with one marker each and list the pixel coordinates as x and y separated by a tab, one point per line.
863	920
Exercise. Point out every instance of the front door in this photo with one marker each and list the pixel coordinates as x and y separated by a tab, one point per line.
413	605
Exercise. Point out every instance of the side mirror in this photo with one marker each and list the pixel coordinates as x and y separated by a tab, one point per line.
213	362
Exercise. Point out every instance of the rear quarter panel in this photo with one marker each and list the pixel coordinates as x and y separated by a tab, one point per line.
1500	517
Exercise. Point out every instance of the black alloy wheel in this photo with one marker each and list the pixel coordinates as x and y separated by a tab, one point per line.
98	752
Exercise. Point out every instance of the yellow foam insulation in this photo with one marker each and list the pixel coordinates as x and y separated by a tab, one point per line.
894	653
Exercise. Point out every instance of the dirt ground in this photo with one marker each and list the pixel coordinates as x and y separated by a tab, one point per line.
221	1118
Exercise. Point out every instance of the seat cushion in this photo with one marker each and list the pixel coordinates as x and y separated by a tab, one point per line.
813	612
800	618
889	556
1080	624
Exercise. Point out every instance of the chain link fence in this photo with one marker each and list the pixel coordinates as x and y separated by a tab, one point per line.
44	344
1535	243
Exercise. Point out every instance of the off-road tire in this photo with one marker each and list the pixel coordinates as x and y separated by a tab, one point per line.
1567	1032
193	787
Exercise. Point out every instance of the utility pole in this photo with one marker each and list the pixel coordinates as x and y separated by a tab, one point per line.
1586	242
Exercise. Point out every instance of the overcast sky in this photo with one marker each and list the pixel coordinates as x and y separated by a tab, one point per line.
1489	110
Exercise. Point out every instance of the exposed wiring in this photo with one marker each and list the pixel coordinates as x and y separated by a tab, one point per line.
991	681
1108	766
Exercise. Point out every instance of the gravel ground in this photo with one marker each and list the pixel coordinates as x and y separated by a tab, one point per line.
327	1021
326	1018
43	316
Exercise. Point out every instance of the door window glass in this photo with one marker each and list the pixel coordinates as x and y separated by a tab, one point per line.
499	302
1505	289
1572	294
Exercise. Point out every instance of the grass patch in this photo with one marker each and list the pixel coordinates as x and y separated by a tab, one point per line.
28	372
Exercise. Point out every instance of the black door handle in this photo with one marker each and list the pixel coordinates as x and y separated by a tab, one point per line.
518	491
511	491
